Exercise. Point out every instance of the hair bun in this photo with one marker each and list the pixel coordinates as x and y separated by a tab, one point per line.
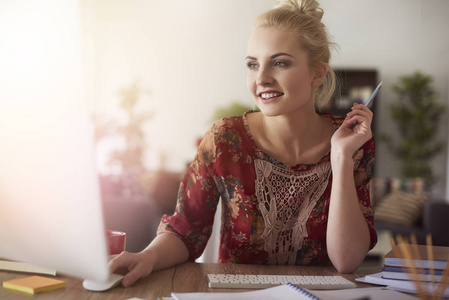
308	7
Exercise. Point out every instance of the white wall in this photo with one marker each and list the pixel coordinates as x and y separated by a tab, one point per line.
190	55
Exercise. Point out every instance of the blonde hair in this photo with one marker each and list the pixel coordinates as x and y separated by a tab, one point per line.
304	19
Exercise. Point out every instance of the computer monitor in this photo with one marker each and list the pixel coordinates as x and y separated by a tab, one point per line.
50	206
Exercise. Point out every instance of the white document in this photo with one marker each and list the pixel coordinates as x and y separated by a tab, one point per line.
400	285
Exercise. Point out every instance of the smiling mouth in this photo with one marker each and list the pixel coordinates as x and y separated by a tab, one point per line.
270	95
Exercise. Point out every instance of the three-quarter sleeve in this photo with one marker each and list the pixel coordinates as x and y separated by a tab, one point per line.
197	200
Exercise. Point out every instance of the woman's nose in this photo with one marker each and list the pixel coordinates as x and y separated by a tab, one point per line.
264	76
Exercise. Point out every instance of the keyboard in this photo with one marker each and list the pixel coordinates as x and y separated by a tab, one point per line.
265	281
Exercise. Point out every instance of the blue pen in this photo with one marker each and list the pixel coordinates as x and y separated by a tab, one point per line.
373	95
371	98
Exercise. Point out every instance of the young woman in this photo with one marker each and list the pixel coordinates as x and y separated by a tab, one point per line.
294	183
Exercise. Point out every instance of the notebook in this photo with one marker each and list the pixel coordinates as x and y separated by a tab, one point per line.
24	267
293	292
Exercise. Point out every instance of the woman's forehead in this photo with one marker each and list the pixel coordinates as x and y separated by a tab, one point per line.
272	40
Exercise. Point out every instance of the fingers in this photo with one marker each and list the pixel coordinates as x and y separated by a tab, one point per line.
348	138
131	265
135	274
117	262
359	114
356	107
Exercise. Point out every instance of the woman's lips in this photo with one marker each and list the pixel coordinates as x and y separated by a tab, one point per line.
268	97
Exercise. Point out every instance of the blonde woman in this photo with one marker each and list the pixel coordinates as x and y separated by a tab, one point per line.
294	183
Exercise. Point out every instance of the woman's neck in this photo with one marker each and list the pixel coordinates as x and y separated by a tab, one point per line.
300	137
291	128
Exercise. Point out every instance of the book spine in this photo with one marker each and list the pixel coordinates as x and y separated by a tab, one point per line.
407	270
407	276
419	263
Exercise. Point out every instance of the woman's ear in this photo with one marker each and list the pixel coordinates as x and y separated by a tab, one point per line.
320	73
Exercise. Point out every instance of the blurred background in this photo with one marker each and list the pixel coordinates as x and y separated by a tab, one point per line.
155	74
187	58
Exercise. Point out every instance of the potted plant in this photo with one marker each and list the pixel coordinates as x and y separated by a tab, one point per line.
128	158
125	161
417	115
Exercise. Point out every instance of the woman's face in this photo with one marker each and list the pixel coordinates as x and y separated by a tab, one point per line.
279	76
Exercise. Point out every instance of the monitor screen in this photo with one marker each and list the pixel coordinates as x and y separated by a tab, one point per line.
50	207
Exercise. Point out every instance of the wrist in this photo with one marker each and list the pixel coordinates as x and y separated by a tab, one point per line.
148	257
339	159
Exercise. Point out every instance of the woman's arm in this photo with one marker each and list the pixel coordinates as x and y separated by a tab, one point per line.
182	235
165	250
348	236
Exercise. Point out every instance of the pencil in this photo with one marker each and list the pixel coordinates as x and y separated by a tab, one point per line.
444	282
408	250
430	258
404	247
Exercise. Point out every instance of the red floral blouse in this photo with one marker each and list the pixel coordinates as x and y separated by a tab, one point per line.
271	213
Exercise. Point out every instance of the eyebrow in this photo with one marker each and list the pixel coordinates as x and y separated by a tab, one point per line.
272	56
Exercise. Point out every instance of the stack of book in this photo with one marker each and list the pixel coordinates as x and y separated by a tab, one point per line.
415	269
427	270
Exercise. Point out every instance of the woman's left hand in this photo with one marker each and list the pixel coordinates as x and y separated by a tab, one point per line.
355	130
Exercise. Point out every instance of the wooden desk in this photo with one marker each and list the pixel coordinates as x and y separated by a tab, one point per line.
187	277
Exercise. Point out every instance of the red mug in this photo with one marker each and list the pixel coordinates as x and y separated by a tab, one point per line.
116	241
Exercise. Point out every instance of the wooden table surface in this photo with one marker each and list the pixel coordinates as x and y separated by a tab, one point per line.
187	277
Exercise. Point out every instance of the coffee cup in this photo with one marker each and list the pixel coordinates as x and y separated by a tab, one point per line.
116	241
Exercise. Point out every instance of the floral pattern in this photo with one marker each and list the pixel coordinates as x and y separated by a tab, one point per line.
224	167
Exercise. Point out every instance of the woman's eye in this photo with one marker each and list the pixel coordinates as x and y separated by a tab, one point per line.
251	65
280	64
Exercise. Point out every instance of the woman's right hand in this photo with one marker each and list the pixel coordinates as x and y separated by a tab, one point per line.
165	250
133	265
